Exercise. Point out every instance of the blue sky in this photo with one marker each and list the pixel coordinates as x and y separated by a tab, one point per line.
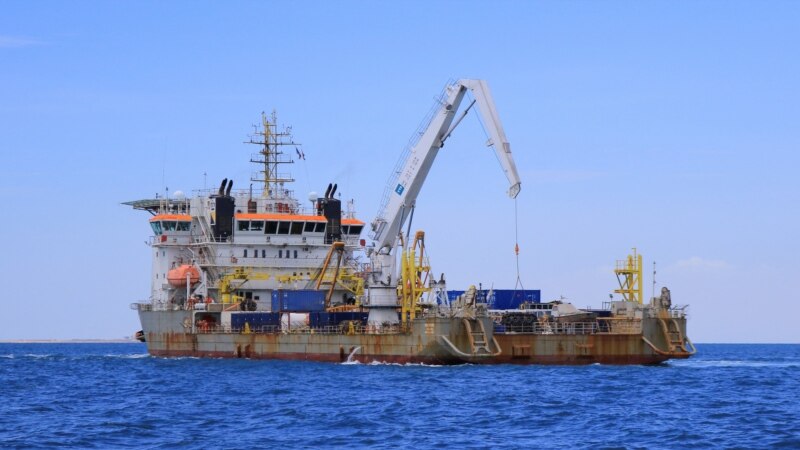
668	126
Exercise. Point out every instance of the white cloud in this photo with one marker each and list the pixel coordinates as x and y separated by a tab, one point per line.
17	41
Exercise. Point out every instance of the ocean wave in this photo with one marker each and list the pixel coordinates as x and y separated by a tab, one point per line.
88	396
40	356
699	364
386	363
129	356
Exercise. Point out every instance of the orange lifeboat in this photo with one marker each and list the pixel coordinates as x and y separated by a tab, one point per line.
177	276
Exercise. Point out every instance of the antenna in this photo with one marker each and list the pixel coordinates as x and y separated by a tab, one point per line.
654	279
271	155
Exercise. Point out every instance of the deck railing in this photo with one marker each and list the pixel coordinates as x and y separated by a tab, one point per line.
603	325
279	329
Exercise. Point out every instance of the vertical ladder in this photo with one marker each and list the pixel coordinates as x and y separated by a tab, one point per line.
673	334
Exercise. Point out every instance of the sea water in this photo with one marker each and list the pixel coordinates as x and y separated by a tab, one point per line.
116	396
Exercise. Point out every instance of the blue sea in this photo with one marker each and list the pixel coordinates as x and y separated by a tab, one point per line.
116	396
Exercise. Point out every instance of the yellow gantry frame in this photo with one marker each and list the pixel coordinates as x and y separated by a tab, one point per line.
242	274
414	276
341	276
629	275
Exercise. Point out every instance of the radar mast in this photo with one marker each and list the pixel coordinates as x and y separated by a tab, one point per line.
271	155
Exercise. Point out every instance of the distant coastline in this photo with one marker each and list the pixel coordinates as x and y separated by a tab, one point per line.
69	341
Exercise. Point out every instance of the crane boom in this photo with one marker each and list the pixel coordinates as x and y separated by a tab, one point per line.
403	191
497	135
413	173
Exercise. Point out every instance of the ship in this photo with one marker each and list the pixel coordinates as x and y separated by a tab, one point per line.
254	273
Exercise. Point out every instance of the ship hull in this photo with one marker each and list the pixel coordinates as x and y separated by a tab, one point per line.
440	341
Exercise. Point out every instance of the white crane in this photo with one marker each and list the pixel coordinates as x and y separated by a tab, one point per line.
382	284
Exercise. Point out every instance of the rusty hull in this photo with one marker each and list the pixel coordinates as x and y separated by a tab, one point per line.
575	349
624	344
171	334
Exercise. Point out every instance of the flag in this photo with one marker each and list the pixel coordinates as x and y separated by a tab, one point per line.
300	153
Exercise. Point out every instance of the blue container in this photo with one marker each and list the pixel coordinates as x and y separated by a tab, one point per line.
304	300
326	319
256	320
339	317
503	298
512	299
318	319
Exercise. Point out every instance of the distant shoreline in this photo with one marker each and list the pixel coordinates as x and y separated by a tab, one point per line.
69	341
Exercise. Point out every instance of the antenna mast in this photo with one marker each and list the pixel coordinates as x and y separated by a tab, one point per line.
271	155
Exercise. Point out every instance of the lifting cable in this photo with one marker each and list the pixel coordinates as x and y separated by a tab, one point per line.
516	246
516	218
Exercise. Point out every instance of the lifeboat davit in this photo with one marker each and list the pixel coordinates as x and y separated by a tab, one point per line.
177	276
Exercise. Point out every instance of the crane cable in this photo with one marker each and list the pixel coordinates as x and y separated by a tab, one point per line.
516	218
516	246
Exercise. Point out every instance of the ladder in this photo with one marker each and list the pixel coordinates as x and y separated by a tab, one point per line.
673	335
478	342
205	246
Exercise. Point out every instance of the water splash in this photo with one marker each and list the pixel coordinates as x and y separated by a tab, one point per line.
350	359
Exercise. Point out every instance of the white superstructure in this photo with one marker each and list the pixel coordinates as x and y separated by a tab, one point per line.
238	246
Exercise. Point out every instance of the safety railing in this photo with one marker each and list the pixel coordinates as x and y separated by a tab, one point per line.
675	312
603	325
156	307
614	325
200	328
166	241
552	328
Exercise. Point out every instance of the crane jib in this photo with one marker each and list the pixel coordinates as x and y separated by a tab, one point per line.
414	170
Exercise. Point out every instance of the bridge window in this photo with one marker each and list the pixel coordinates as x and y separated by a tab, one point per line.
169	225
283	227
355	230
244	225
345	229
183	226
309	228
156	226
297	227
320	228
256	225
271	228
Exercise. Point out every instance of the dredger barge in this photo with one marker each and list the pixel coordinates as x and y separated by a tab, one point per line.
253	274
